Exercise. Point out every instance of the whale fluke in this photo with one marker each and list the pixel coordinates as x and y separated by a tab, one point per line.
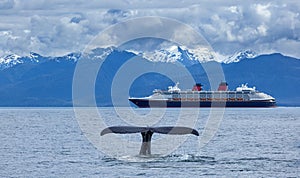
161	130
147	133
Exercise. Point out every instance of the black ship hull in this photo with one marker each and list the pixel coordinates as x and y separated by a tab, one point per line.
145	103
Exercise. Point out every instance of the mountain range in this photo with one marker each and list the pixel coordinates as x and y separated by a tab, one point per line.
36	80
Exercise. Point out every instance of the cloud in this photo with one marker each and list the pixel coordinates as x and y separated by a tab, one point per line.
60	35
62	26
255	27
7	4
263	11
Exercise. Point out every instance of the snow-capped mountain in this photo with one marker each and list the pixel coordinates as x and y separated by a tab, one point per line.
172	53
177	53
192	56
35	80
69	57
99	53
238	56
10	60
13	59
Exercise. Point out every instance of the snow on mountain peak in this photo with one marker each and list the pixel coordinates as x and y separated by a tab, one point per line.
99	53
13	59
177	53
192	56
34	56
10	60
238	56
170	54
73	56
167	53
201	54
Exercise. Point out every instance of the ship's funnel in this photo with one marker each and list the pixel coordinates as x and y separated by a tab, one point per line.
223	86
197	87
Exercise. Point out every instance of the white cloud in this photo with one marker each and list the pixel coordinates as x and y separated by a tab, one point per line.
62	26
233	9
6	4
262	30
263	11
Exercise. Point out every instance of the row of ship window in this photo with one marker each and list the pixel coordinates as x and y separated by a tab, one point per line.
229	96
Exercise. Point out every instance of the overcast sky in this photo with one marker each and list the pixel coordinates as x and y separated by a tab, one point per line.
57	27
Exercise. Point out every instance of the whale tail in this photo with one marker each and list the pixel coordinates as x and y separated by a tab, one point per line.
147	133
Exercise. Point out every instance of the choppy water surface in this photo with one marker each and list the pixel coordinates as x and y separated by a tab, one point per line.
48	142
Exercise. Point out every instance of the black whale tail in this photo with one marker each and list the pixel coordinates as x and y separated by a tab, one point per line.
161	130
147	133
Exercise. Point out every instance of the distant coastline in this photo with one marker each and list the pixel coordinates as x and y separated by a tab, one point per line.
40	81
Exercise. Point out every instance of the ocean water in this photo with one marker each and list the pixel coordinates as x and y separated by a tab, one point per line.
50	142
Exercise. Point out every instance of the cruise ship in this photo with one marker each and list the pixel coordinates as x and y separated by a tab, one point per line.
243	96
